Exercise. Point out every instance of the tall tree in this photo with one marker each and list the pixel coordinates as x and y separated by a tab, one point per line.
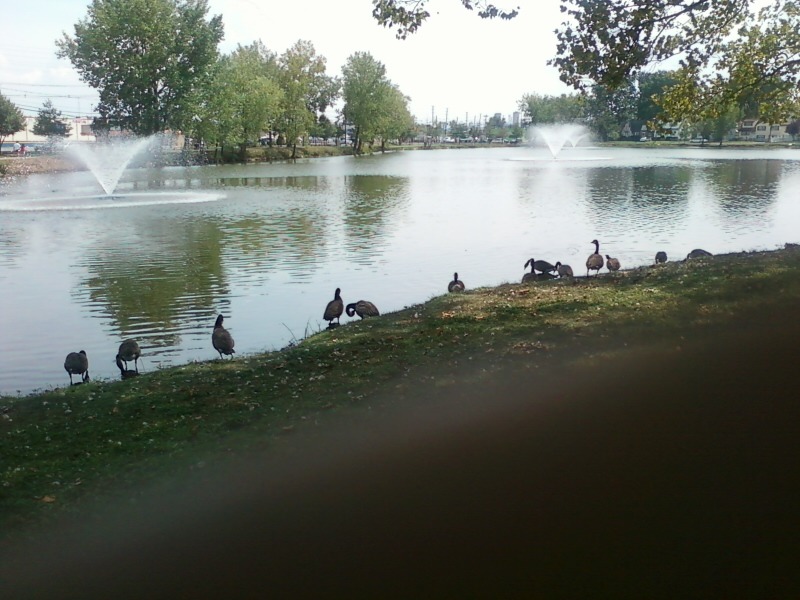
49	122
145	58
306	89
608	110
11	119
242	101
396	120
651	87
365	88
408	15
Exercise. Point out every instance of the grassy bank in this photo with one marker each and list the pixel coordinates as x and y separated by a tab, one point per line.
104	440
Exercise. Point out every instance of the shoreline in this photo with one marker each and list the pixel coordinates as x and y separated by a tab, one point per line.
620	433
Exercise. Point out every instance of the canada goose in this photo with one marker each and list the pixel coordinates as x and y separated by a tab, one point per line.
221	339
362	308
528	277
540	265
564	270
129	350
77	363
612	264
595	261
334	309
125	373
456	285
698	253
661	257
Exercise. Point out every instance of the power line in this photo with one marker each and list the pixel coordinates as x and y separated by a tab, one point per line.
4	83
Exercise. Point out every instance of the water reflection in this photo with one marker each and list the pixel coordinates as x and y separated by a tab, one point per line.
745	188
146	281
371	203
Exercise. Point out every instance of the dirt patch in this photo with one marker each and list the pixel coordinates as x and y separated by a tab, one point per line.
31	165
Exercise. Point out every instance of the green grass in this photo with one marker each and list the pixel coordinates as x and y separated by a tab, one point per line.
63	447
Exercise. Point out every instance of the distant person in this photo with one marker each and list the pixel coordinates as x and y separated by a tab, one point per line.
22	150
17	147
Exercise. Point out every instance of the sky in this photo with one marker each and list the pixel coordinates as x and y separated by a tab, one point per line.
456	67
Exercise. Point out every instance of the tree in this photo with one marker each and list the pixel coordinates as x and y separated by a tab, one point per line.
49	123
793	129
540	109
396	120
306	89
146	58
11	119
727	53
242	100
365	88
408	15
607	110
651	87
608	42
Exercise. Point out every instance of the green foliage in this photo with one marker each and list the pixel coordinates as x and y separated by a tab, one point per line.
11	119
396	120
146	58
608	110
651	87
49	123
729	56
365	88
306	89
408	15
543	109
242	100
608	42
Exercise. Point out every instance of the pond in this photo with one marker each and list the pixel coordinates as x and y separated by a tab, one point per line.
266	245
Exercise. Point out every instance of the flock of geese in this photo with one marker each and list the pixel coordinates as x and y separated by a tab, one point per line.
77	363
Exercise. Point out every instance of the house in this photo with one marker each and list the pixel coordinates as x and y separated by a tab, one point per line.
754	130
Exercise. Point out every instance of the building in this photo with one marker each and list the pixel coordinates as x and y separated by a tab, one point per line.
81	131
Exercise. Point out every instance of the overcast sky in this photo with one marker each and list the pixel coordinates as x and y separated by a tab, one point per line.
456	65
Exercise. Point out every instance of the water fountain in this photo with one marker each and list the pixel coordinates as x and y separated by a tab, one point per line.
557	137
108	160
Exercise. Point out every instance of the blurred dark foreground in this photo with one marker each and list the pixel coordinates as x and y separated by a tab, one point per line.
671	475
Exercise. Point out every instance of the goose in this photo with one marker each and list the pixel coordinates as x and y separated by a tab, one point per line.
456	285
661	257
362	308
698	253
540	265
221	339
129	350
595	261
612	264
77	363
564	270
125	373
528	277
334	309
